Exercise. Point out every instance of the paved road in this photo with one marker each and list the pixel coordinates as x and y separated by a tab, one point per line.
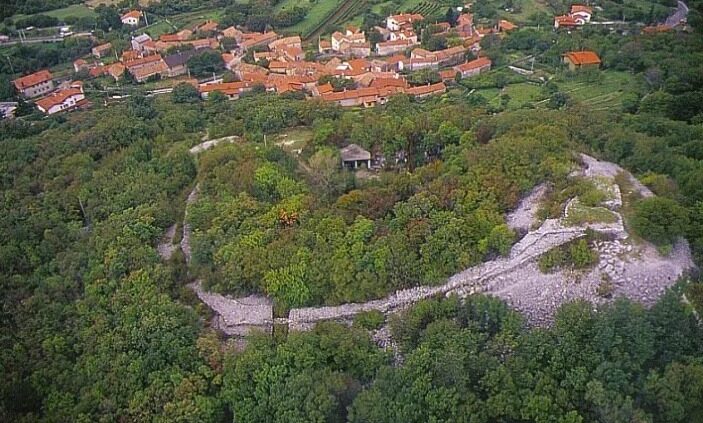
36	40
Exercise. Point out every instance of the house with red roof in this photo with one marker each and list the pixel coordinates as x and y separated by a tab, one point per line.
62	100
473	67
505	26
387	48
102	50
131	18
403	21
465	25
577	16
230	89
579	11
35	84
427	90
208	26
581	60
565	21
79	65
255	39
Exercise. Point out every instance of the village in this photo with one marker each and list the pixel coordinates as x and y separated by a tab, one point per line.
344	68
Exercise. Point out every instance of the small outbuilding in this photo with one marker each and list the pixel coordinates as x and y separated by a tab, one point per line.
582	60
354	156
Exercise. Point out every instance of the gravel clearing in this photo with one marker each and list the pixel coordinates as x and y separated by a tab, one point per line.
525	215
212	143
166	246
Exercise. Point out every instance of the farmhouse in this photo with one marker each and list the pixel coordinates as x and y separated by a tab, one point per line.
387	48
79	65
565	21
143	68
579	11
474	67
205	27
581	60
230	89
139	42
177	64
255	39
505	26
579	15
465	25
354	156
62	100
350	43
102	50
34	84
403	21
427	90
131	18
286	42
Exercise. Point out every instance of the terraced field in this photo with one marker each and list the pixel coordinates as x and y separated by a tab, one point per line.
347	10
319	12
430	9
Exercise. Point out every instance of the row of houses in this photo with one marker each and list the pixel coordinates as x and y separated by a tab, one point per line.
53	100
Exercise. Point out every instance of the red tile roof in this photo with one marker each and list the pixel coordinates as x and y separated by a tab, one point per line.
506	25
389	82
142	61
325	88
207	26
580	8
103	47
148	70
427	89
405	18
229	88
447	74
57	98
359	93
565	20
97	71
474	64
132	14
32	79
583	57
128	55
170	38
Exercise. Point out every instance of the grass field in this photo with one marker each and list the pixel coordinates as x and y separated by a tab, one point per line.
605	93
527	9
317	13
178	22
94	3
77	10
293	139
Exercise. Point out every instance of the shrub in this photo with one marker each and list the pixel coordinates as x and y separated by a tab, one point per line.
575	255
370	320
659	220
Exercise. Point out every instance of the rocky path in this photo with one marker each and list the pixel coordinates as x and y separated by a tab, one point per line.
206	145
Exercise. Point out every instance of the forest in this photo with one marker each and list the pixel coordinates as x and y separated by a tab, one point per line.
97	327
